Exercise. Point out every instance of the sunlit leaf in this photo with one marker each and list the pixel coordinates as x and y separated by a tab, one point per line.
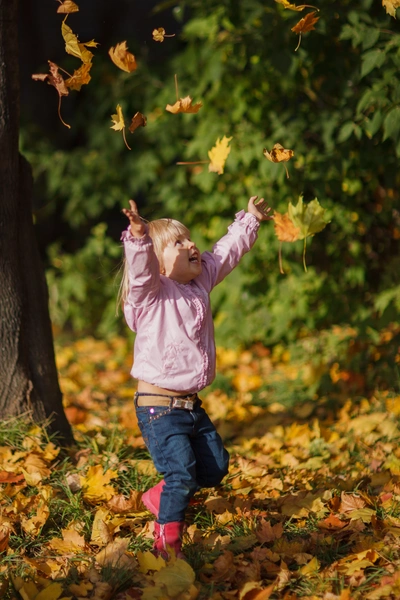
304	25
67	6
391	6
159	34
184	105
79	78
74	47
123	59
218	155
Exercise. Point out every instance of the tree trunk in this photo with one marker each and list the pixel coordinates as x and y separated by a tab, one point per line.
28	375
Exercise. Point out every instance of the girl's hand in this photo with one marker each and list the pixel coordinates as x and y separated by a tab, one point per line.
260	209
137	227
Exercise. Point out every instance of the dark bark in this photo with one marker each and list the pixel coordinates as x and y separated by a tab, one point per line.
28	375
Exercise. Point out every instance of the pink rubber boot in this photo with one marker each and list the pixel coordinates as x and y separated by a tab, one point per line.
151	498
167	538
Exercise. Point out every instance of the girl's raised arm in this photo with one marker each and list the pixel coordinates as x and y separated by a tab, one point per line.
137	226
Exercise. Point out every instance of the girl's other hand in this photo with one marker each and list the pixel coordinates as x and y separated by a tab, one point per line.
259	209
137	227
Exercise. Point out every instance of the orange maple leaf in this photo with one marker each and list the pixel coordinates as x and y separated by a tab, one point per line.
79	78
304	25
279	154
285	230
184	105
123	59
67	7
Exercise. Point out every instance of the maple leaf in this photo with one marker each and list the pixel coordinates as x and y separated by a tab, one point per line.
119	123
176	578
285	230
391	6
159	34
57	81
310	219
74	47
80	77
304	25
138	120
95	484
67	7
115	555
123	59
120	504
279	154
71	542
218	155
184	105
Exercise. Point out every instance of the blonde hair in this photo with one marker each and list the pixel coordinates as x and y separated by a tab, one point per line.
162	232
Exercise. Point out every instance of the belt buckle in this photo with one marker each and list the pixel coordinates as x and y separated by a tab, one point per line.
181	403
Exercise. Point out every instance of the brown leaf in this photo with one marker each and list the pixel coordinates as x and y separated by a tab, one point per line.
332	523
285	230
120	504
67	7
306	23
265	532
122	58
138	120
350	502
184	105
57	81
278	154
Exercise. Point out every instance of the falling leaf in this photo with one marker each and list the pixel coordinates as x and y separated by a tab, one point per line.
74	47
122	58
159	34
279	154
80	77
285	230
304	25
391	6
56	80
184	105
119	123
95	484
218	155
67	7
309	218
138	120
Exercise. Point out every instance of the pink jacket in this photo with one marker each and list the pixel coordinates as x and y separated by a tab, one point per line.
174	346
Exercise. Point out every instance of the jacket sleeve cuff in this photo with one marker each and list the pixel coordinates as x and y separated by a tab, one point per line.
126	236
247	219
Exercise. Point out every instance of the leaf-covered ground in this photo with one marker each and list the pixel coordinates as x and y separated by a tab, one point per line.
310	509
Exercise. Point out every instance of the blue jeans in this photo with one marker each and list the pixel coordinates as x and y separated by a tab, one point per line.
186	450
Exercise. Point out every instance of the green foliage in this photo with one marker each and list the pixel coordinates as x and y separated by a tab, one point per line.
335	102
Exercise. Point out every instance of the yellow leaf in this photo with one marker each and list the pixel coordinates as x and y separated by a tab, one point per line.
287	4
95	484
74	47
32	478
67	7
100	532
159	34
81	589
390	6
310	568
118	119
278	154
115	555
34	525
51	592
79	78
184	105
123	59
72	542
176	577
148	562
218	155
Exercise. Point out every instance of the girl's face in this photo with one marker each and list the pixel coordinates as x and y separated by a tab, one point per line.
181	260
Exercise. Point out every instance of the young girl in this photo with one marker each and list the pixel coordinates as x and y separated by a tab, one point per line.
166	302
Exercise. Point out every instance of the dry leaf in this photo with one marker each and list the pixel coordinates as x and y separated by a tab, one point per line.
391	6
159	34
72	542
95	484
218	155
56	80
304	25
184	105
9	477
74	47
279	154
122	58
67	7
138	120
119	124
285	230
299	8
80	77
120	504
